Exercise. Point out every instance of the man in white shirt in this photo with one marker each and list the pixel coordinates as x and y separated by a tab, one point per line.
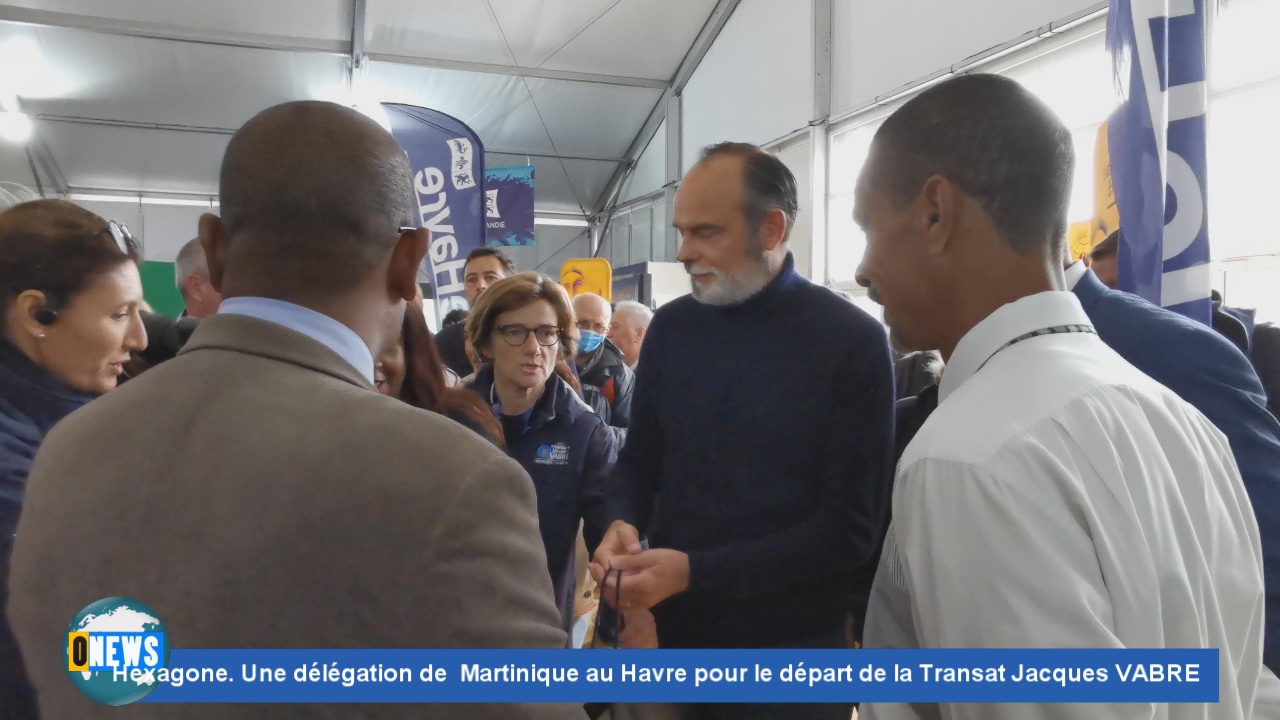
1057	497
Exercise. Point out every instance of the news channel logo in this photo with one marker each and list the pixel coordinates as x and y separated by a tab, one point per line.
114	650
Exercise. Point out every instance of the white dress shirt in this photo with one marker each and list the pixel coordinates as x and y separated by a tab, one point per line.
1059	498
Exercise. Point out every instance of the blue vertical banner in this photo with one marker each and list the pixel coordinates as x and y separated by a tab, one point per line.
509	205
447	159
1156	139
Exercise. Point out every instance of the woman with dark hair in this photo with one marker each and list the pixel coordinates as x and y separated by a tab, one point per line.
71	290
412	371
523	328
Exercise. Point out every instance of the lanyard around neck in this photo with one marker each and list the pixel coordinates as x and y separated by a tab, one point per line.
495	404
1054	330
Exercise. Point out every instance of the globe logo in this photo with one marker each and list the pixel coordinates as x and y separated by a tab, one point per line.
114	648
544	452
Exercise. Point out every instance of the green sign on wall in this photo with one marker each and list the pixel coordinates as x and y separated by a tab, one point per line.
159	288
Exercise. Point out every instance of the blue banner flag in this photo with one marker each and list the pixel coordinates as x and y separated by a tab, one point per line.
447	159
509	205
1156	139
704	676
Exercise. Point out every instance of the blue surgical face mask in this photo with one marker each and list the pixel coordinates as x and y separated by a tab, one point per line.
589	341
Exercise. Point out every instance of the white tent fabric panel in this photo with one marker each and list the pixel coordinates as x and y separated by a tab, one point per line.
536	30
555	245
161	229
112	77
878	47
582	118
798	158
132	160
461	30
554	191
127	214
590	118
650	172
637	38
756	83
14	167
497	107
312	19
466	31
627	38
165	229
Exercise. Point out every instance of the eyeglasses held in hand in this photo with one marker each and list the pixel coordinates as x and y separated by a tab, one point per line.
517	335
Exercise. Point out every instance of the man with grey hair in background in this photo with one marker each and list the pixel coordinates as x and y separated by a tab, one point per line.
627	329
191	272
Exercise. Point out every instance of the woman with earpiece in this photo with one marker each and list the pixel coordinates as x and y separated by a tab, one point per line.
70	290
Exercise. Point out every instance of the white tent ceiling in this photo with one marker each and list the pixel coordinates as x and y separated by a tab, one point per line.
141	95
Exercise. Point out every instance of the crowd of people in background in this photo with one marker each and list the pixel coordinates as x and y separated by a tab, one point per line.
1024	458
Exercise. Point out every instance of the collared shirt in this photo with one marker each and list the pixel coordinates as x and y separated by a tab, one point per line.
1074	273
319	327
1060	498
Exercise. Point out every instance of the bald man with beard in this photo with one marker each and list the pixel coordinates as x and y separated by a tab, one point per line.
256	491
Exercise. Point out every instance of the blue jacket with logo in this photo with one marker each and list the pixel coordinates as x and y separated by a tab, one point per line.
567	451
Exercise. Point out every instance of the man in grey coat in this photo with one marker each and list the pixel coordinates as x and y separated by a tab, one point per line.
255	491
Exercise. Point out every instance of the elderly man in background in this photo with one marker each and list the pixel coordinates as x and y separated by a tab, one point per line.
627	330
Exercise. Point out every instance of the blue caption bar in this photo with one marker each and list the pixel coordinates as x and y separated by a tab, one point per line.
791	676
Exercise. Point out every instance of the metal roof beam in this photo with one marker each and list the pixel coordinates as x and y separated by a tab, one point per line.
255	41
701	45
516	71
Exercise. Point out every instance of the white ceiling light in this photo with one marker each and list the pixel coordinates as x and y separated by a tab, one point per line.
134	199
562	222
15	127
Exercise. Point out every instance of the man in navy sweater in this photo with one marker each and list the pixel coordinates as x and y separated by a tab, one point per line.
759	457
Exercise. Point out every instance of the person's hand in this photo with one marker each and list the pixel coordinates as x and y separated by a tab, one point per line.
640	631
648	578
619	539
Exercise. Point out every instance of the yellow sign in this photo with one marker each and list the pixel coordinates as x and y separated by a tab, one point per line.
1080	238
1106	215
587	275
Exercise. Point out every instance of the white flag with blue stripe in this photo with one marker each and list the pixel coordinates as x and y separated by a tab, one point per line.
1156	140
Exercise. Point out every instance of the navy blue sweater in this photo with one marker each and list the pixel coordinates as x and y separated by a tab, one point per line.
568	452
761	444
31	403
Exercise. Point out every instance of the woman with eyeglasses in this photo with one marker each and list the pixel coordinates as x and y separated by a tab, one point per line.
523	329
71	291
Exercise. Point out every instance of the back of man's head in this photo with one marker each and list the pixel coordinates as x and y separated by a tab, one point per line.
999	143
190	262
767	183
633	314
312	195
508	266
1109	246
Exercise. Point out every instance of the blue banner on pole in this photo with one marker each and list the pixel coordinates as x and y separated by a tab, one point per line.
708	676
447	159
509	205
1156	139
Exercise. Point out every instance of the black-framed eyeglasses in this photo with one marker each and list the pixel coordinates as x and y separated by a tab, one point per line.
593	327
517	335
